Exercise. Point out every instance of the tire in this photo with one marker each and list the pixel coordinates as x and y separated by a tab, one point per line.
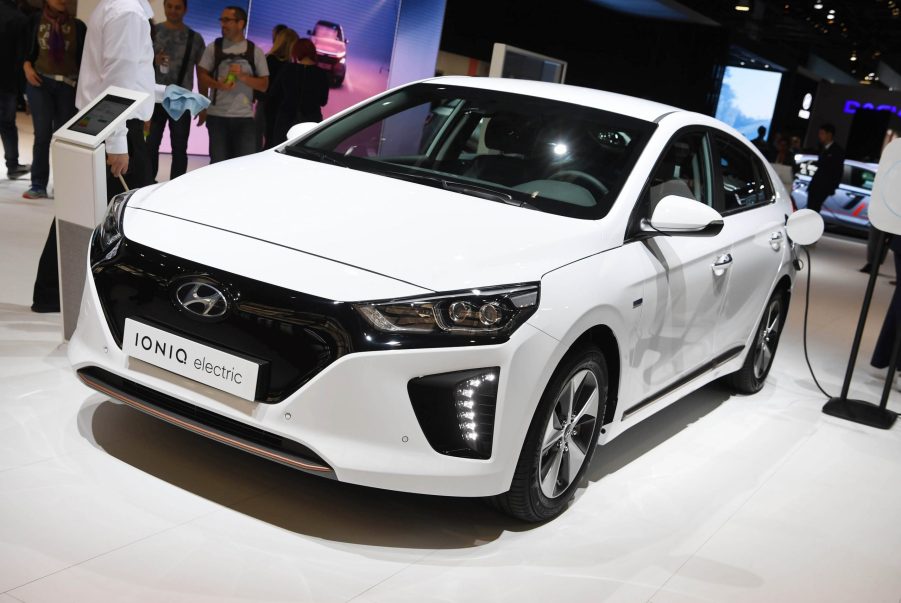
559	437
749	379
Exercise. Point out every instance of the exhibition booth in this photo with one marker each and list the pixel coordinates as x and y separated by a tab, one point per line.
306	396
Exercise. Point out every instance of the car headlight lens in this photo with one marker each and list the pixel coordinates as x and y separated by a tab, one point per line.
492	311
111	226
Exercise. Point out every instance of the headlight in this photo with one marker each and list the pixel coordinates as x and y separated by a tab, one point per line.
111	226
492	311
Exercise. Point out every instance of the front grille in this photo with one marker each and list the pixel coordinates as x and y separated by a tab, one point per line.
294	335
204	422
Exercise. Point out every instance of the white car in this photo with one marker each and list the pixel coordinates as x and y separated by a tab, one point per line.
849	205
465	307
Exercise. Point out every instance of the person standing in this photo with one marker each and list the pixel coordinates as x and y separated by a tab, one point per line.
117	52
177	50
12	21
762	145
53	47
882	353
267	107
232	67
303	90
830	167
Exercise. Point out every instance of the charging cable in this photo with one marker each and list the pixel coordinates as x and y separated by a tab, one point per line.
806	313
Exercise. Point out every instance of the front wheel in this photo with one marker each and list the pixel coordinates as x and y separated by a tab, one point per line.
561	439
749	379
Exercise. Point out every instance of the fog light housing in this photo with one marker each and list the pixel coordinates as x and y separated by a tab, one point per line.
456	410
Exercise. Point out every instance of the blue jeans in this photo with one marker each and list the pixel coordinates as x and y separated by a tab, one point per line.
8	132
179	130
231	137
52	104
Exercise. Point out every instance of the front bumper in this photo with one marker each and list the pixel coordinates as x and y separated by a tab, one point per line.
354	420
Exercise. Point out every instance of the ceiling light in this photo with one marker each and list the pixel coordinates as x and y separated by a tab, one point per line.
818	5
743	6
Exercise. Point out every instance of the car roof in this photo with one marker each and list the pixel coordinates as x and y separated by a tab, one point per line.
328	24
589	97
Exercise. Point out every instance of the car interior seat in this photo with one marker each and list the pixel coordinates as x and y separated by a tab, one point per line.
512	138
675	175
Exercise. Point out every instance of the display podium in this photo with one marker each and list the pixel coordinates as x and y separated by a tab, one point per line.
79	175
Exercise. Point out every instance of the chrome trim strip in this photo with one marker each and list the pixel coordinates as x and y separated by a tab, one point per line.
190	426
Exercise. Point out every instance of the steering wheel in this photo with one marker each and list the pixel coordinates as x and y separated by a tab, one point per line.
594	186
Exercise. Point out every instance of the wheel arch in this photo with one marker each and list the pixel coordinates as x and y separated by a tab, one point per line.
602	337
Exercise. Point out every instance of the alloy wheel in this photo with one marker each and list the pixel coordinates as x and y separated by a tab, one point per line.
568	433
767	339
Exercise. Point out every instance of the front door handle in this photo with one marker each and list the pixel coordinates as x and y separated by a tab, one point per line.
722	264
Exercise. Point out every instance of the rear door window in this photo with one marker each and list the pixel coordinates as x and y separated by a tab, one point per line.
744	181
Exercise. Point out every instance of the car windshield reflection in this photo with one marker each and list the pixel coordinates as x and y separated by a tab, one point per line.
548	155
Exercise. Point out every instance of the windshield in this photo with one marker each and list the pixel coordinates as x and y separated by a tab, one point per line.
526	151
325	31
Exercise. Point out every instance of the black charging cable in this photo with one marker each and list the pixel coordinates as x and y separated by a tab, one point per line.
806	313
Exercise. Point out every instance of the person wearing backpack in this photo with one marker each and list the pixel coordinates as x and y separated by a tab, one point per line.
232	67
177	49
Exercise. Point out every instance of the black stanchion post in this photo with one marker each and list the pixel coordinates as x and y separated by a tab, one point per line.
860	411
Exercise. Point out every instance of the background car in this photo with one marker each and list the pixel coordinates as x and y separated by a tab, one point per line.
461	287
849	206
331	49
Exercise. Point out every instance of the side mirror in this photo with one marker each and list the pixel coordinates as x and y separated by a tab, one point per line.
678	216
298	130
805	227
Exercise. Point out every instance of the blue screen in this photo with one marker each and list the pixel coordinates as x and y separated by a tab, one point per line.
747	99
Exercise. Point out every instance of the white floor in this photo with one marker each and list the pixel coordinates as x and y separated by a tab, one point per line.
718	498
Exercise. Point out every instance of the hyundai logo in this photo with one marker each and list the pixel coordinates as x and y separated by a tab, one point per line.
202	299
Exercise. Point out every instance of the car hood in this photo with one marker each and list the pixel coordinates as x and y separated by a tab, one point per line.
329	45
424	236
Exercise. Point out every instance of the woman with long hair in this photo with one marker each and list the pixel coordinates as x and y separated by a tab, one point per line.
303	89
268	102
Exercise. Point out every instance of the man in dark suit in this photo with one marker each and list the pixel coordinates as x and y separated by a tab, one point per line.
830	166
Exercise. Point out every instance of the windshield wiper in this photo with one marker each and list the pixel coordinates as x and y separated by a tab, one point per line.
314	154
465	188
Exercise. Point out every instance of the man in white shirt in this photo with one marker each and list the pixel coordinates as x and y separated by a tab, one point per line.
117	52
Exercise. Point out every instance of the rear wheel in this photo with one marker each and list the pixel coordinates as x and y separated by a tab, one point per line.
561	439
749	379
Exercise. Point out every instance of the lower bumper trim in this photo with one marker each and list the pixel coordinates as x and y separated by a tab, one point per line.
206	423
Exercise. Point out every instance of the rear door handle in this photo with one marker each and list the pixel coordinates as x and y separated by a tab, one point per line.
722	264
776	241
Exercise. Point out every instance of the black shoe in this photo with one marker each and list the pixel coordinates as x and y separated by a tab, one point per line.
866	268
45	308
18	171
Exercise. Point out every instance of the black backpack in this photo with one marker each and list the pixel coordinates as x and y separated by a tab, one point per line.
219	56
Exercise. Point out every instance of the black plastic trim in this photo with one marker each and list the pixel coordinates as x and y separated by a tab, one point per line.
722	358
297	333
435	407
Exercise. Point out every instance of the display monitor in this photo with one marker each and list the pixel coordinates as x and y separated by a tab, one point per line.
509	61
101	114
96	122
747	99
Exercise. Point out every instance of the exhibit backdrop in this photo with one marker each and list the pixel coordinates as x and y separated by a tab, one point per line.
747	99
388	42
